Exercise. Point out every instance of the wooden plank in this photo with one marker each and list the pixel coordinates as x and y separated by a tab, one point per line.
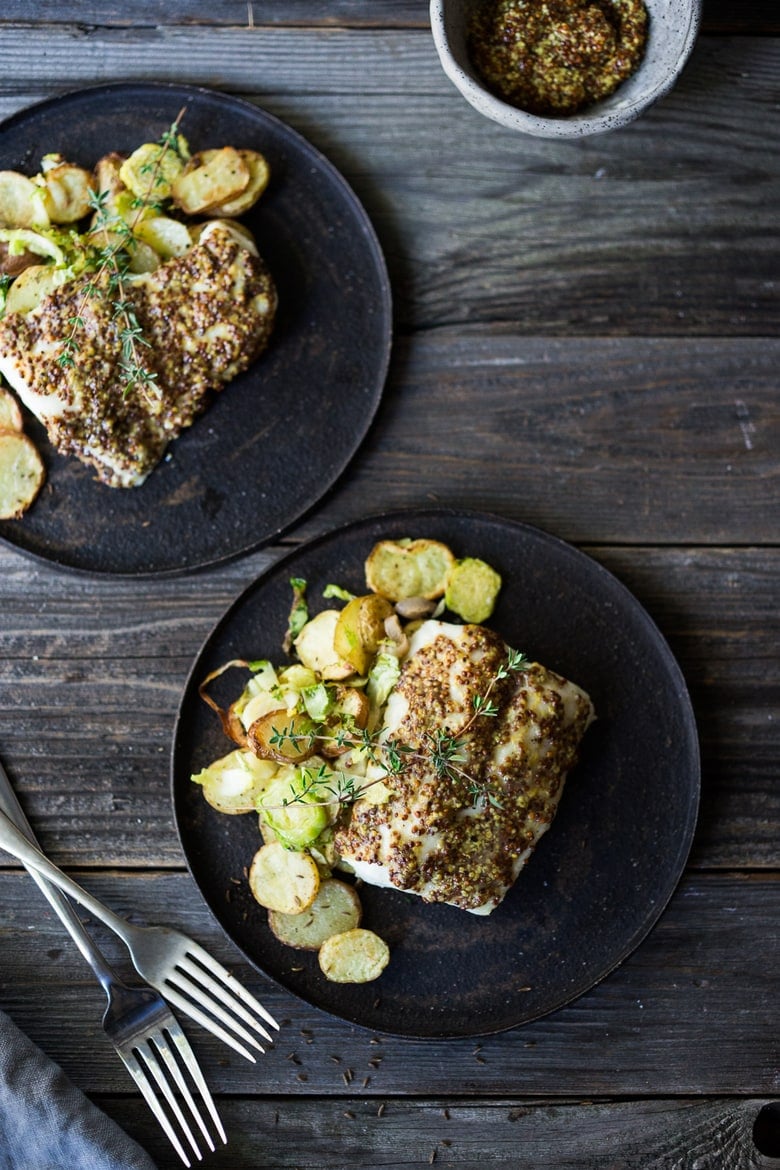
414	1135
751	16
692	1011
91	673
613	441
479	225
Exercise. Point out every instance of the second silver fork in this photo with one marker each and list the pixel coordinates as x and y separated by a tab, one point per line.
138	1022
178	967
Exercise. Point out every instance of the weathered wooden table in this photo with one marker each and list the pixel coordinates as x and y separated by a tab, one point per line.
586	339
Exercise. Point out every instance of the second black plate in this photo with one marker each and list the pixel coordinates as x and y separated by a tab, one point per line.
599	878
279	435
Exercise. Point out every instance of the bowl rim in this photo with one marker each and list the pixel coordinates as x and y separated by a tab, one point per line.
595	119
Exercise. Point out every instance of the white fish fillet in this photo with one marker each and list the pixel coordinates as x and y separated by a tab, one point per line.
204	316
429	838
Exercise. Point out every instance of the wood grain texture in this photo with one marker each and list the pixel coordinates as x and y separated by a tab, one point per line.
275	1133
750	16
691	1011
680	205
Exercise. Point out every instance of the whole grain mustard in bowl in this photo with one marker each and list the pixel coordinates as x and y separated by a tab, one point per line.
564	68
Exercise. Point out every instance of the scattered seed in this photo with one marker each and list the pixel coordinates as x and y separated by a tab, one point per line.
301	1077
432	1157
348	1113
380	1110
335	1059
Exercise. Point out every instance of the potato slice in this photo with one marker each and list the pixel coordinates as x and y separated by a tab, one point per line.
259	174
314	646
354	956
234	783
21	202
284	880
416	568
472	589
67	193
210	178
151	171
32	285
21	474
168	237
10	412
360	628
335	910
283	736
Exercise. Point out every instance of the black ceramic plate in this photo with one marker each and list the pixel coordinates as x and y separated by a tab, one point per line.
279	436
599	878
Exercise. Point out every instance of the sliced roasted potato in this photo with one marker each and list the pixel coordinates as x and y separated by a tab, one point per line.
335	909
472	589
416	568
107	179
234	783
259	174
314	646
32	285
13	263
282	735
21	474
255	708
10	412
354	956
151	171
168	237
210	178
360	628
66	192
21	203
284	880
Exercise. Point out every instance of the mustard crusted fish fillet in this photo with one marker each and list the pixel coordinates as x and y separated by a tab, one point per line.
204	316
429	838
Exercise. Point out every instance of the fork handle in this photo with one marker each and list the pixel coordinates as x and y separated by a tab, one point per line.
10	807
19	846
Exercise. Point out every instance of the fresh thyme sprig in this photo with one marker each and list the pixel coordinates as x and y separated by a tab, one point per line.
444	751
111	270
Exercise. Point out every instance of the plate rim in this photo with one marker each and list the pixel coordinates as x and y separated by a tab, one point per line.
682	696
385	306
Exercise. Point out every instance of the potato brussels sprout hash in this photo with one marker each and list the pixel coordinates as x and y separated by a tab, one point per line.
127	295
308	744
55	225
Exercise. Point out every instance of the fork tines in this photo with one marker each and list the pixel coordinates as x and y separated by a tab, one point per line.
226	1002
158	1064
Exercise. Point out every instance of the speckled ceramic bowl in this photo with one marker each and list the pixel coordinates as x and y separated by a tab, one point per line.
672	31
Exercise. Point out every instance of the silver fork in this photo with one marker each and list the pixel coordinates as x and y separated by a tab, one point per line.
176	965
137	1021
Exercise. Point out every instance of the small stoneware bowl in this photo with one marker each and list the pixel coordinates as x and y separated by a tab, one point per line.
672	29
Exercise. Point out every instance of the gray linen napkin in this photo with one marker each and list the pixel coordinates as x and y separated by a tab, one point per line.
46	1123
